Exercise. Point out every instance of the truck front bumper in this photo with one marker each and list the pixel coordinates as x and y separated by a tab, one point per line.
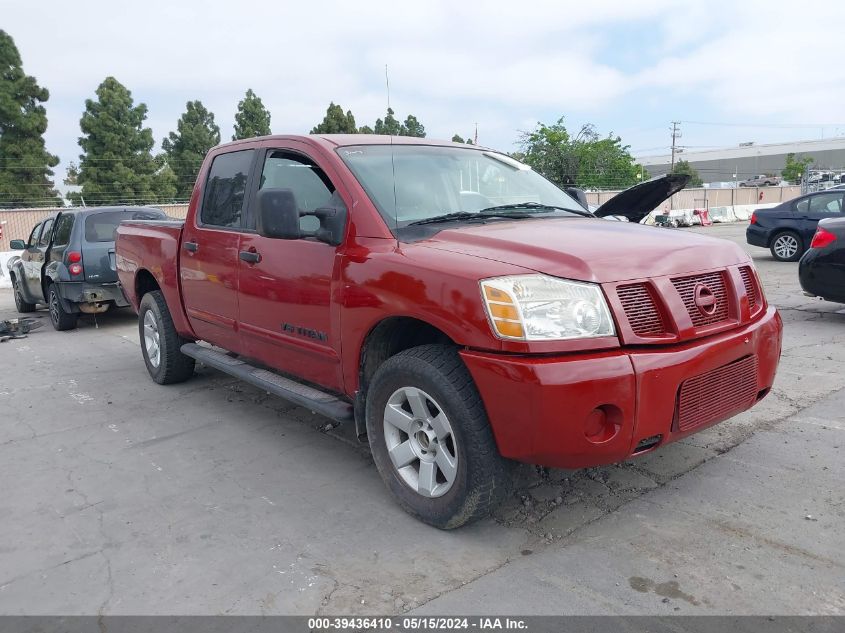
581	410
79	293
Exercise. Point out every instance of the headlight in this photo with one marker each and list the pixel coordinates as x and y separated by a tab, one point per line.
542	308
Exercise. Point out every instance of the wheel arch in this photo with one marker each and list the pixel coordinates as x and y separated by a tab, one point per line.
385	339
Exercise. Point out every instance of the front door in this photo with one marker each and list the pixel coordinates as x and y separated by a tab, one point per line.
209	256
29	266
35	264
285	311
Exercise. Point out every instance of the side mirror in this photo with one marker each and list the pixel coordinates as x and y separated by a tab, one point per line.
579	195
278	216
17	245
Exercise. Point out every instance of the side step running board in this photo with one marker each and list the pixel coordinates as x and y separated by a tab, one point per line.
318	401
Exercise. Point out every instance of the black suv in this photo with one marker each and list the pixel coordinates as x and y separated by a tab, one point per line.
68	263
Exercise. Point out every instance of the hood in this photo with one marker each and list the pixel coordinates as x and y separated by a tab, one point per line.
588	249
638	201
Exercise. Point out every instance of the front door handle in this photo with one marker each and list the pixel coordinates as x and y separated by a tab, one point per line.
250	257
191	246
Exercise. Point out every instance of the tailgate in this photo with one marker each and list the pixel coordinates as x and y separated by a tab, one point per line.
98	262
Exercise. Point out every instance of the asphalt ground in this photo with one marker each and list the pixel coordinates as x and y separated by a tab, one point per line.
120	496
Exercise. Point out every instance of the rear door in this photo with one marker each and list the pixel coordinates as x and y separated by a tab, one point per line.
208	261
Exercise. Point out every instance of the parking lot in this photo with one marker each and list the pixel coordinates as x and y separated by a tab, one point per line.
210	497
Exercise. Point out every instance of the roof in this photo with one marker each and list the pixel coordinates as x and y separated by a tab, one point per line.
749	151
331	141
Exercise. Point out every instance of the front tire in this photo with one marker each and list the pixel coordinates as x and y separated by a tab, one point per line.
22	305
160	343
787	246
59	317
431	440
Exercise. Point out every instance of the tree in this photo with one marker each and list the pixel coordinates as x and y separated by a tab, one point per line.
365	129
252	118
457	138
71	175
25	164
412	127
117	166
389	125
794	168
196	133
585	160
683	167
336	122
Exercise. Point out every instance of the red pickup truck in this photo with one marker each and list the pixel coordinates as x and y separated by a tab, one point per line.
458	308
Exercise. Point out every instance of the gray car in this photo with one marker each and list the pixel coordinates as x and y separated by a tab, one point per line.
68	263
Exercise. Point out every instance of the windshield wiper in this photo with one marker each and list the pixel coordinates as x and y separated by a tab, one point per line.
538	207
469	216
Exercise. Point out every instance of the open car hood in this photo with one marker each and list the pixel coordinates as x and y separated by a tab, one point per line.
638	201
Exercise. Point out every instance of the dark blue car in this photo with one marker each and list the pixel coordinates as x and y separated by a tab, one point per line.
788	228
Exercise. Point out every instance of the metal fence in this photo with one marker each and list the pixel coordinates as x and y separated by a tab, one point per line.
17	223
705	198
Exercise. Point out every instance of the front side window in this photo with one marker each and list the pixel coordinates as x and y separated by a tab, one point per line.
311	187
45	233
33	237
802	205
223	202
409	183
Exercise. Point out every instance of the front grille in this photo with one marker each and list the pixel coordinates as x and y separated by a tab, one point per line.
718	394
641	310
750	287
716	282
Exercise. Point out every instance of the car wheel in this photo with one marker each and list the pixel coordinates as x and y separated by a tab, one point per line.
59	317
431	440
160	343
787	247
22	305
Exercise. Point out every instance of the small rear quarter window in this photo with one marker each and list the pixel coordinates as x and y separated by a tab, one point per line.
100	227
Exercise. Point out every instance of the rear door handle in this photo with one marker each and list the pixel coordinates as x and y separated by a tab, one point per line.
250	257
191	246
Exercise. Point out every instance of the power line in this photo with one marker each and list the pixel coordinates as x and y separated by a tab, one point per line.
676	134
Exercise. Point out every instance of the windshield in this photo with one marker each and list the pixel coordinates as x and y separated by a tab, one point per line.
434	181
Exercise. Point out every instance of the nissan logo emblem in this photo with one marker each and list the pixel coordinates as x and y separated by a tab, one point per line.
705	300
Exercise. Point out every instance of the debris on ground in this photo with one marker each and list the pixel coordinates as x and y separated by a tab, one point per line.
17	328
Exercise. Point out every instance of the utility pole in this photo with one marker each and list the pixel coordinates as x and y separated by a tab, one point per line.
676	134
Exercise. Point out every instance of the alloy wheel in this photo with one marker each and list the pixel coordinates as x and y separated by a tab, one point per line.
152	341
420	442
786	246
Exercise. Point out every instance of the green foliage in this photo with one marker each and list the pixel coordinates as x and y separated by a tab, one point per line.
390	125
252	118
585	160
457	138
196	133
365	129
336	122
683	167
25	164
116	166
71	174
794	168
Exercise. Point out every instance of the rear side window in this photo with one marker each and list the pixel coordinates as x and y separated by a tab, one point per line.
63	228
100	227
223	202
45	233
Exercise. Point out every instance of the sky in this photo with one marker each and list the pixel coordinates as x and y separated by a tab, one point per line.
731	72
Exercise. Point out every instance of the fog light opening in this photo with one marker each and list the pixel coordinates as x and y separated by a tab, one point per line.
602	424
763	393
647	443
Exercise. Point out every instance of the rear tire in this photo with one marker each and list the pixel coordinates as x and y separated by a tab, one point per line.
431	440
59	317
22	304
787	246
160	343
